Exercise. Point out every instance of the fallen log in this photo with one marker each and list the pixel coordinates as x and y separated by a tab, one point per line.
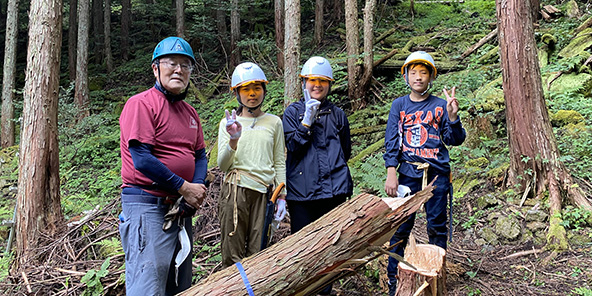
480	43
320	253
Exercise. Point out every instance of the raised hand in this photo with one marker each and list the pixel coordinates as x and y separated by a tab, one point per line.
233	127
452	105
311	109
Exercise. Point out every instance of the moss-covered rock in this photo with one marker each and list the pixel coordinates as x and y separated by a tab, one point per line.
580	43
487	201
565	117
536	216
508	227
491	96
489	235
569	83
480	162
572	9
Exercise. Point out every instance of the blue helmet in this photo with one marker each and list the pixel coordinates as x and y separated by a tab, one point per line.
173	45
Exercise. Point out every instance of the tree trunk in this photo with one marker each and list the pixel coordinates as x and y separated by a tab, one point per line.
107	22
534	156
180	13
97	17
319	28
352	39
279	32
427	277
8	76
366	80
235	55
38	200
322	252
81	89
292	52
72	39
222	29
126	7
337	10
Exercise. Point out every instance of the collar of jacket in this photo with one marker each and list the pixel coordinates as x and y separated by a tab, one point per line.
171	97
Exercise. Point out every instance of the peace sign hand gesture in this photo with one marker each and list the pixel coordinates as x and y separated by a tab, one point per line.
452	105
233	127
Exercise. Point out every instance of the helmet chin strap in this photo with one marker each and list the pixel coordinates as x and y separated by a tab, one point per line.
170	96
251	109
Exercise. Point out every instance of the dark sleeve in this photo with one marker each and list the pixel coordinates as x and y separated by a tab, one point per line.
453	133
201	166
151	167
296	134
392	138
344	136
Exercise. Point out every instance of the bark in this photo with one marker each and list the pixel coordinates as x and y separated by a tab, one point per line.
279	32
366	80
97	17
107	22
222	30
126	7
81	89
235	55
352	39
319	28
72	38
337	11
322	252
180	13
9	73
292	52
533	150
38	199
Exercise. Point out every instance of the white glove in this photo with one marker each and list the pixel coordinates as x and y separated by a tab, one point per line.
403	191
280	210
311	109
233	127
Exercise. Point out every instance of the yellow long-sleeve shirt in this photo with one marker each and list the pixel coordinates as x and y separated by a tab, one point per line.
259	152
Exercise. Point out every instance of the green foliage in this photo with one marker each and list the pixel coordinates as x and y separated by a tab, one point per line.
369	175
92	279
5	263
582	291
575	218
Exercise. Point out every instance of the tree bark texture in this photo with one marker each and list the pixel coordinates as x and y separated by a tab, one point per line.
126	7
322	252
81	89
292	52
534	156
8	74
222	30
97	17
38	199
107	22
319	26
352	39
180	13
366	79
235	54
72	38
279	32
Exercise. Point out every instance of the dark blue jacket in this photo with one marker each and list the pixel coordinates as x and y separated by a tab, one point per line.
417	132
316	165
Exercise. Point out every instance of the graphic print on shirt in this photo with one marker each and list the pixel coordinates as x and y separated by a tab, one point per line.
193	123
416	132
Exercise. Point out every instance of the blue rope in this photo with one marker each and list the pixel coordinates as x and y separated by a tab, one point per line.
245	279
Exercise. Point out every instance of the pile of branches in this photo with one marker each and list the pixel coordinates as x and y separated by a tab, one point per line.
88	241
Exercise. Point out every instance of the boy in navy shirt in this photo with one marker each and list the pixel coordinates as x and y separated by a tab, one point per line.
418	128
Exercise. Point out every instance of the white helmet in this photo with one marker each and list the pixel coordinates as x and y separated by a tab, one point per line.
420	57
317	67
246	73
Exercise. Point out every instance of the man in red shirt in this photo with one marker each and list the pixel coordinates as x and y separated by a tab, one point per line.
163	158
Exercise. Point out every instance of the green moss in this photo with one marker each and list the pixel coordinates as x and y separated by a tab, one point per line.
498	171
580	83
556	237
565	117
480	162
492	96
580	43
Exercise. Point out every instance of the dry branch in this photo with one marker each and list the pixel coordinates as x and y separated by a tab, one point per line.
322	252
480	43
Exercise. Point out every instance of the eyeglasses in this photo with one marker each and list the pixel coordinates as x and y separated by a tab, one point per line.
173	66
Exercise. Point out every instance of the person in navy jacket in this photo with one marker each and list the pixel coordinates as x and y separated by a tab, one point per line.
318	142
419	127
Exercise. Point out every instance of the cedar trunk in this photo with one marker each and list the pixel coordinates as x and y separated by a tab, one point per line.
235	54
107	21
81	90
72	39
97	17
322	252
279	32
292	52
366	79
352	41
125	28
180	13
319	28
8	76
38	199
534	156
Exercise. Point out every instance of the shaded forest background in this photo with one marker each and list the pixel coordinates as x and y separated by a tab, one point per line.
492	220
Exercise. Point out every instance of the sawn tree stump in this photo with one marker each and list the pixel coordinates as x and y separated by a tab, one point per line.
429	277
321	252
